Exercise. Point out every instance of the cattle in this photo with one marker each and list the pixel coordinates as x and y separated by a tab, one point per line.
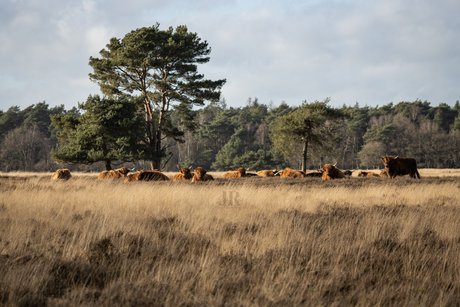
241	172
292	173
133	177
184	174
200	175
318	173
331	172
118	173
267	173
63	174
348	172
383	174
396	166
154	175
367	174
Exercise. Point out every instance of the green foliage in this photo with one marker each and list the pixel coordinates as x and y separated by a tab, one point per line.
162	66
310	124
110	129
381	134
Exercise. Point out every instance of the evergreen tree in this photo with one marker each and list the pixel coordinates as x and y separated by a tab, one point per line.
162	66
110	129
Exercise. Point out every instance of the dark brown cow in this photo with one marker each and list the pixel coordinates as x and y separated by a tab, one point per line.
331	172
184	174
396	166
318	173
367	174
118	173
291	173
152	176
61	174
241	172
133	177
200	175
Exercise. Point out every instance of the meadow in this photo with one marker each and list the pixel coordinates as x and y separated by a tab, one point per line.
231	242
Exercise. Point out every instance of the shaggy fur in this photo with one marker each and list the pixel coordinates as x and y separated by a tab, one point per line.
61	174
383	174
200	175
184	174
133	177
267	173
152	176
331	172
292	173
241	172
118	173
367	174
396	166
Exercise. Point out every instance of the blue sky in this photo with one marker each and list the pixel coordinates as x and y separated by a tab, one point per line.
371	52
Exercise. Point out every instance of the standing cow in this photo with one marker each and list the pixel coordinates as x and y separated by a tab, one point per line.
396	166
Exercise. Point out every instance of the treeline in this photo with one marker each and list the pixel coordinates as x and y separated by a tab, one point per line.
226	138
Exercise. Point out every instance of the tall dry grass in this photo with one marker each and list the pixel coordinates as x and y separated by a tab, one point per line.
246	242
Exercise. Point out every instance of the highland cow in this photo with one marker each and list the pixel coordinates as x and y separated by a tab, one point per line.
133	177
241	172
118	173
396	166
331	172
267	173
367	174
184	174
292	173
63	174
383	173
200	175
154	175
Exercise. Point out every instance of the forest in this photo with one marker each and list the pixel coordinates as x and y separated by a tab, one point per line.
225	138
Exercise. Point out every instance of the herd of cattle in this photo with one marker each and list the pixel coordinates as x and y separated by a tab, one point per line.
394	166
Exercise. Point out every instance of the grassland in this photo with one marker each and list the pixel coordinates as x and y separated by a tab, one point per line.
237	242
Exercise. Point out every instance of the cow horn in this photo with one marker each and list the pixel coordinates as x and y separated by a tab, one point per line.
335	163
191	167
396	157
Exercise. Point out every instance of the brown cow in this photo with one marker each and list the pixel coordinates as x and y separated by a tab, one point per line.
383	174
241	172
200	175
331	172
118	173
396	166
184	174
154	175
267	173
292	173
367	174
61	174
133	177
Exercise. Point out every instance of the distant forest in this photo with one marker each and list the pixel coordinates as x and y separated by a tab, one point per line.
226	138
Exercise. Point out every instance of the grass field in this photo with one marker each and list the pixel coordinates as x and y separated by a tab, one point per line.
235	242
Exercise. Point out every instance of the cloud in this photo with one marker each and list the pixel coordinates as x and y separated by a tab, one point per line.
373	52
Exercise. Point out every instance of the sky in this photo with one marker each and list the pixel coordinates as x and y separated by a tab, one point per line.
370	52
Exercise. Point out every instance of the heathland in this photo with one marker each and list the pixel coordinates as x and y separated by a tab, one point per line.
243	242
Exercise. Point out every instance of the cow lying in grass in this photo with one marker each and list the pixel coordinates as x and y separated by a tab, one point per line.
118	173
331	172
267	173
184	174
367	174
63	174
154	175
241	172
200	175
292	173
133	177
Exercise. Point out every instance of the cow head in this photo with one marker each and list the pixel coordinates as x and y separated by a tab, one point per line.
123	170
200	172
331	172
388	160
242	171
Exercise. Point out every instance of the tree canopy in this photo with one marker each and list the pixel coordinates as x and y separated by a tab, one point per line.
161	65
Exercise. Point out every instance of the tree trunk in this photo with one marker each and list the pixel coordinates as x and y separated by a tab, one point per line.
108	166
304	155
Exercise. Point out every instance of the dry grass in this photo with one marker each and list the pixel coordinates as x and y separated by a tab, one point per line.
286	242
